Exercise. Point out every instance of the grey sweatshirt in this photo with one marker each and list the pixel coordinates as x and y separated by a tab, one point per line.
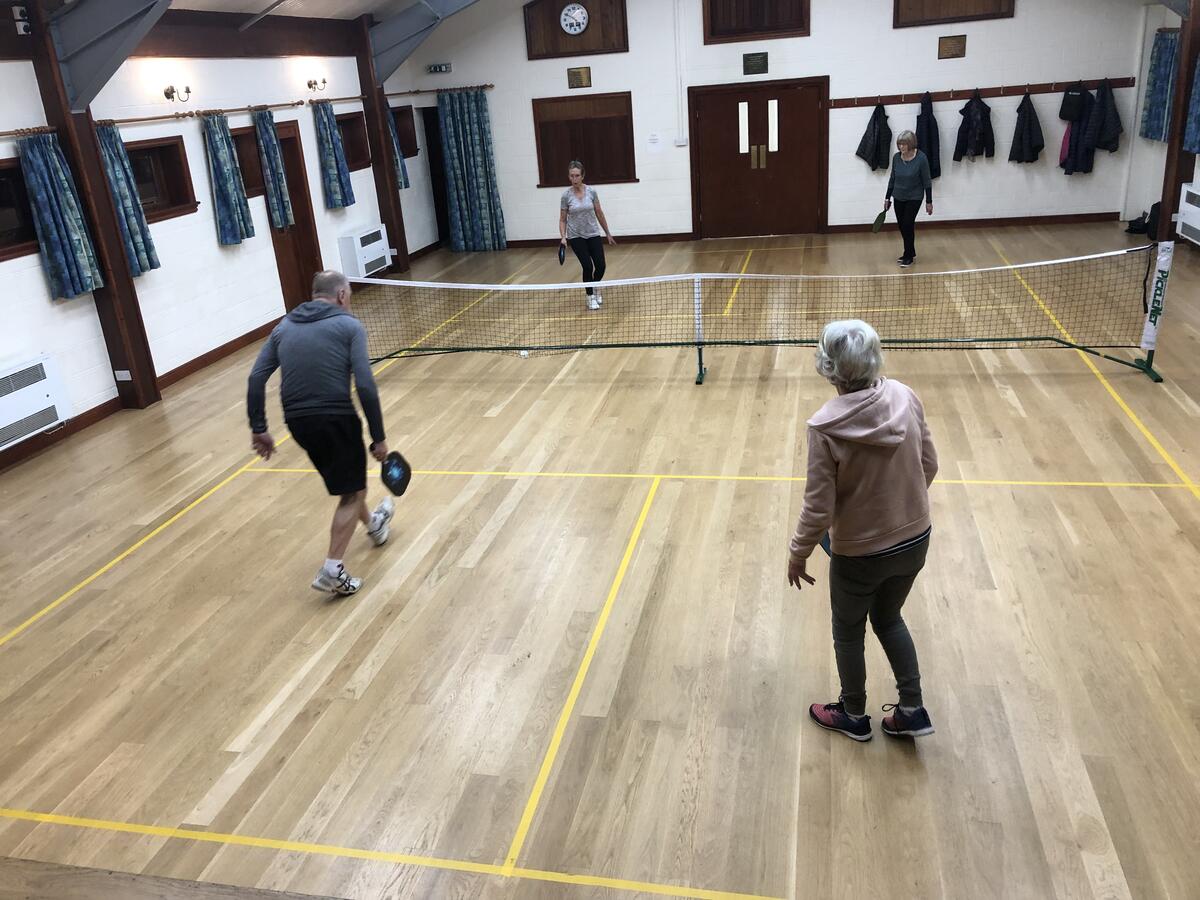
319	346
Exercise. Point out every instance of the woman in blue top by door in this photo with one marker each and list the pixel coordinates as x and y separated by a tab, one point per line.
907	183
581	223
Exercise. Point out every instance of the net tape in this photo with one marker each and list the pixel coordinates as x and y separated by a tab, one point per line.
1096	301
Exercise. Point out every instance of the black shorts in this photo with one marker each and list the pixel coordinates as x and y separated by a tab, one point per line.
335	446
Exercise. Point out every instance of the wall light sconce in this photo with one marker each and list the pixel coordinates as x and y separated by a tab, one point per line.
314	85
182	96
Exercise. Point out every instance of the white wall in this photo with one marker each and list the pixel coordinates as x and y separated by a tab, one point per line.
34	323
416	201
852	42
205	295
1148	159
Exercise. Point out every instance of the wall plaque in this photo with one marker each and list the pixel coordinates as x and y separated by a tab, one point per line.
580	77
952	46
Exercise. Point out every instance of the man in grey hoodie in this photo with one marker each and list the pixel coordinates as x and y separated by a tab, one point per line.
871	460
319	345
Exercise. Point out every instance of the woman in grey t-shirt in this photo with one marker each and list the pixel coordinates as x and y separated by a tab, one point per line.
581	223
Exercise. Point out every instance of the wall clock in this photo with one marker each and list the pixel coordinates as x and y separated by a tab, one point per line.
574	18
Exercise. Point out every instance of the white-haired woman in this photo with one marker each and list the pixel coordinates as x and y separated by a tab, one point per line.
908	182
870	463
581	223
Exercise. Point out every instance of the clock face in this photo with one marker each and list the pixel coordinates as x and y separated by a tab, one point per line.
574	18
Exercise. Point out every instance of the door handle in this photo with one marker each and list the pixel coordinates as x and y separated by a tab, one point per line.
754	156
762	156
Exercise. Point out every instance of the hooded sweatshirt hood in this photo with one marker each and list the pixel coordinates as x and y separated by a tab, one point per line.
879	415
315	310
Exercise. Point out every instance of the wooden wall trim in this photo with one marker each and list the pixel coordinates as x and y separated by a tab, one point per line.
922	223
205	360
962	95
1005	10
13	46
214	35
1180	165
621	239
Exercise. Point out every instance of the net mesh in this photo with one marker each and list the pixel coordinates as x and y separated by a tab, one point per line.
1094	301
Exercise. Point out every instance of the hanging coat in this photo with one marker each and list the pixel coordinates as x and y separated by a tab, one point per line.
1079	155
1104	127
928	138
1027	141
975	137
876	144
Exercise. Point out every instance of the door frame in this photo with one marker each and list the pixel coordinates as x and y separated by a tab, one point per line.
697	91
289	130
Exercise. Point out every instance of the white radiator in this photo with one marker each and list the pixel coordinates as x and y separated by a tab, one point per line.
32	400
365	251
1188	220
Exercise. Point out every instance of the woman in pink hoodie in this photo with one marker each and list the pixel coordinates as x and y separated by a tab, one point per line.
870	463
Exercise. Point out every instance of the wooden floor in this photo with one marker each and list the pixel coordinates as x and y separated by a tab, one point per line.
576	670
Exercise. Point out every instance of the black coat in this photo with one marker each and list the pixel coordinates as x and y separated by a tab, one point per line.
876	144
1027	138
1079	155
928	138
1104	127
975	137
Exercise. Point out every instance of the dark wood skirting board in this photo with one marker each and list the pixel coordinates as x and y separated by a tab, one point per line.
922	222
424	251
216	354
621	239
31	446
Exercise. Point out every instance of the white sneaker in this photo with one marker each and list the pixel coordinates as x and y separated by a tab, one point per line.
599	298
378	530
341	583
593	302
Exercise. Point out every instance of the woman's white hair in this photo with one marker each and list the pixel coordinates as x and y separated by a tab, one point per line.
849	354
907	137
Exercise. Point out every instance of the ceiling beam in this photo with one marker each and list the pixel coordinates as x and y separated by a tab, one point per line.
394	40
258	17
93	37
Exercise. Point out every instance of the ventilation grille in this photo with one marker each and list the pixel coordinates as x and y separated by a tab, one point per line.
31	424
10	384
1191	198
1191	232
375	265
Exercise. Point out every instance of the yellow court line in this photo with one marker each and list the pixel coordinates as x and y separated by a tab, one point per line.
461	312
979	482
535	796
1133	417
738	283
429	862
49	608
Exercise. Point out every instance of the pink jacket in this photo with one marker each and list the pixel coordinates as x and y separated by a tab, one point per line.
870	463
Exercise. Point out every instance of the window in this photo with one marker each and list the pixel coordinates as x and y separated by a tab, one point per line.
406	130
353	129
937	12
597	129
163	178
17	235
245	144
749	20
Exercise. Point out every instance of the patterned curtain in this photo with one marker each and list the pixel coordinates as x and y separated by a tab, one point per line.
1160	86
66	247
335	174
397	153
135	233
476	219
229	193
1191	132
279	204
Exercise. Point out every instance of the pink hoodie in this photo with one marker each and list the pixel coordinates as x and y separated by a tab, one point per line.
870	463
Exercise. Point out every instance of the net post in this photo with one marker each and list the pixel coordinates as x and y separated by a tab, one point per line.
1155	308
698	313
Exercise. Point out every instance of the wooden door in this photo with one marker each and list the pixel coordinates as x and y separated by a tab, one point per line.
759	157
437	169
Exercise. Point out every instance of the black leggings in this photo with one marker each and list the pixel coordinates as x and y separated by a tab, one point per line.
906	215
591	257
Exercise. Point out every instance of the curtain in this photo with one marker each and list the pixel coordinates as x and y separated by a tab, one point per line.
335	174
1160	86
476	219
68	256
279	204
1191	132
229	193
397	153
135	233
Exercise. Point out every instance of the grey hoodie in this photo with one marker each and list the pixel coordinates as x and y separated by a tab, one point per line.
318	345
870	463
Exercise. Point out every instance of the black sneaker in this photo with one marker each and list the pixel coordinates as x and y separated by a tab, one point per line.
901	724
905	263
911	259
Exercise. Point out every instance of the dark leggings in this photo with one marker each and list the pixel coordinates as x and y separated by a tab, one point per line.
874	588
906	215
591	257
